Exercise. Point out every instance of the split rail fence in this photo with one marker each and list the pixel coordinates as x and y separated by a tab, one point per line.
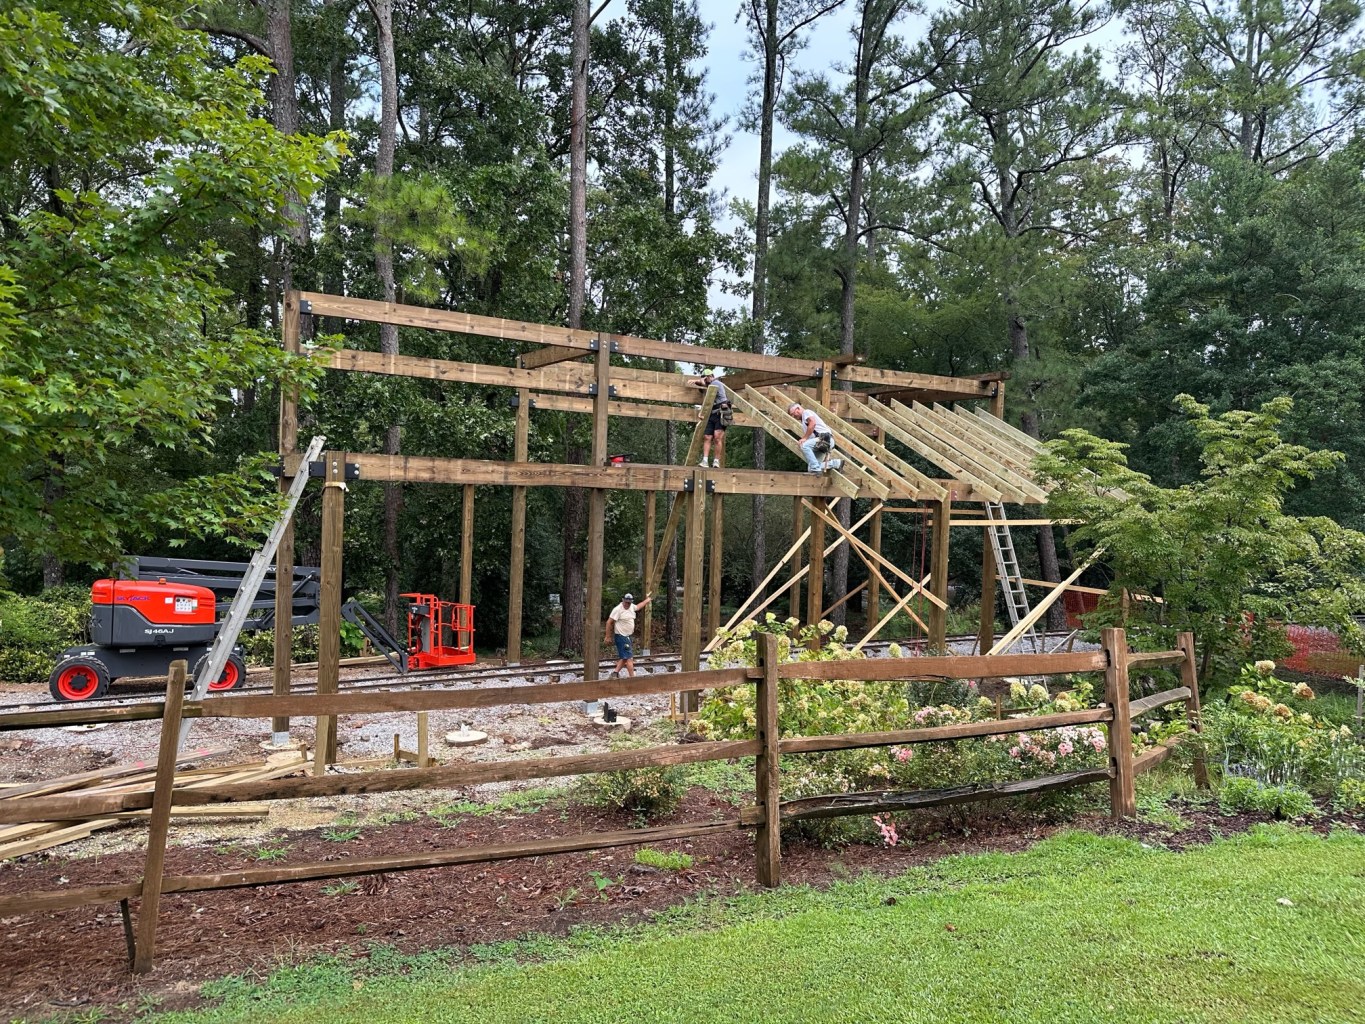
765	815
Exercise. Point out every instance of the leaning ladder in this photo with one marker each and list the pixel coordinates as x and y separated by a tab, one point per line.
251	583
1011	580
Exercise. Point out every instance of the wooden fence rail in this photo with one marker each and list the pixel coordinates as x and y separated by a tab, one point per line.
765	815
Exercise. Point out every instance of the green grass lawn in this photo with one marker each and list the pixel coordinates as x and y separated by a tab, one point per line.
1078	929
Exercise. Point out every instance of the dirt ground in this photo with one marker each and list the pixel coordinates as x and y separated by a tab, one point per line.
75	960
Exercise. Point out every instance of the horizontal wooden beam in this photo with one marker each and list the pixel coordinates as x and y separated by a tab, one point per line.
443	858
939	734
1149	759
633	476
564	338
1158	700
629	410
949	666
837	805
960	387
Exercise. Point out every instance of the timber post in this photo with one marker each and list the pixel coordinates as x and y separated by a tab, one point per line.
713	576
517	571
694	544
874	580
647	626
798	531
329	605
938	572
467	544
1189	676
597	513
1122	794
144	947
767	780
282	668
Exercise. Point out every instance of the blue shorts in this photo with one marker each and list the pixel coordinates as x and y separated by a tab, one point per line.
623	650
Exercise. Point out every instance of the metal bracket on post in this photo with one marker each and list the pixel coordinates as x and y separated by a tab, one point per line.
592	390
305	306
710	486
687	485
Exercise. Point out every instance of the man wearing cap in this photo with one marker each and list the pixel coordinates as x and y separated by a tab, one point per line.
620	628
816	439
718	420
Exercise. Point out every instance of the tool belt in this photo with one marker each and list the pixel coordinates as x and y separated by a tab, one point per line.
824	442
727	416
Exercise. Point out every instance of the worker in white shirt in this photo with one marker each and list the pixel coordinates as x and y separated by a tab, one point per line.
817	440
621	629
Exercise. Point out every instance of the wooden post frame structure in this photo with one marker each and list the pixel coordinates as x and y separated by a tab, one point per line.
950	449
765	814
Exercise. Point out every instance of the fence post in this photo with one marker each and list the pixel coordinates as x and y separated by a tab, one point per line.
1189	675
1122	795
167	756
767	787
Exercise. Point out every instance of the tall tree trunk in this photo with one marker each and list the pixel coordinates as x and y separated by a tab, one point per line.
759	311
284	108
571	636
334	274
383	267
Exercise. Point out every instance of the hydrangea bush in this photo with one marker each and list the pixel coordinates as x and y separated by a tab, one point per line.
831	707
1266	731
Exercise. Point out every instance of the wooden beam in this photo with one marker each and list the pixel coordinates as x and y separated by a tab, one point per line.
1122	796
548	356
154	865
981	465
597	514
1040	609
908	433
881	560
1189	675
938	573
800	533
964	387
950	666
647	627
628	410
876	455
874	589
467	544
693	583
680	497
767	773
630	477
516	576
942	733
284	554
901	603
329	604
713	569
766	411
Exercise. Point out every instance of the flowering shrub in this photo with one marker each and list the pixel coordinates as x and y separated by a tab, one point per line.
831	707
646	792
1266	732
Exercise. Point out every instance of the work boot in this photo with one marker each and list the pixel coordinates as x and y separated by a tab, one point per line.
835	464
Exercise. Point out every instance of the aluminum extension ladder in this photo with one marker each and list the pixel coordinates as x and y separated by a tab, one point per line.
1011	580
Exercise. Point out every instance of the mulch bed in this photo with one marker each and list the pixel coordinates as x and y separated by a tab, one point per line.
72	961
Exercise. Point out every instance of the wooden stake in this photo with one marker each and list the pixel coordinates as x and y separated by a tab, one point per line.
938	573
423	759
647	626
517	571
1189	676
329	605
467	545
767	779
713	579
1122	794
167	755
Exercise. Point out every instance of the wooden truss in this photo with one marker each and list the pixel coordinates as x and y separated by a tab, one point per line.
948	449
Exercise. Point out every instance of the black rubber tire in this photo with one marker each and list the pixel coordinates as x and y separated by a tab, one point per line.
77	679
235	669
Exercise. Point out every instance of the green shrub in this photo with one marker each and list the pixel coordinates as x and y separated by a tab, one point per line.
1351	796
670	861
35	630
1242	794
645	792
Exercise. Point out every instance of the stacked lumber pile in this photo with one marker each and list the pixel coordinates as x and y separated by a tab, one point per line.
34	837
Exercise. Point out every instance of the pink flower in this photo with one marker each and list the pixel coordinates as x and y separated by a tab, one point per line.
903	754
1064	748
1097	741
1014	752
887	829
